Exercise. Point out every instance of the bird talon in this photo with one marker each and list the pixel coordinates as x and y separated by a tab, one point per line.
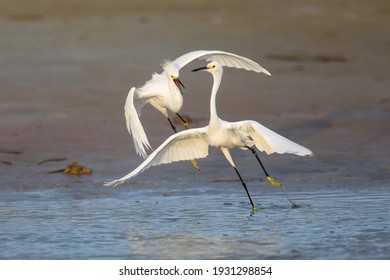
273	181
195	164
255	209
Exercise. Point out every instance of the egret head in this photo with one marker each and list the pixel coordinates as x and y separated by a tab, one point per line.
173	73
212	67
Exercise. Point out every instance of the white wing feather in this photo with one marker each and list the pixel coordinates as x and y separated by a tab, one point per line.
269	141
224	58
134	126
185	145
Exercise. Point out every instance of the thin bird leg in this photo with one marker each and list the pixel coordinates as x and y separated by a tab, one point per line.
173	127
193	162
184	122
272	180
246	189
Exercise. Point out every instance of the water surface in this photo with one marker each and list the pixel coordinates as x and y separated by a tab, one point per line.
192	221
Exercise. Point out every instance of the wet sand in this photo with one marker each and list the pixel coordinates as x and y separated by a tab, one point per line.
67	70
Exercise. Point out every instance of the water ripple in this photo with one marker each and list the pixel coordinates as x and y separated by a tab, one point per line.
193	222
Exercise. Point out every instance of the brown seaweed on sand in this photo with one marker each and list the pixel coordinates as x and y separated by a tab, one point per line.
74	169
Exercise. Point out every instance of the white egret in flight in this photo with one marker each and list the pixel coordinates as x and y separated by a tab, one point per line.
194	143
164	92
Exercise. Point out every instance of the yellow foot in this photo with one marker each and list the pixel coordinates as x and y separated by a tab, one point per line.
273	181
255	209
195	164
185	124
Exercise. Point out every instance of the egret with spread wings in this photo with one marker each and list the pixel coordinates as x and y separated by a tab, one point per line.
194	143
164	92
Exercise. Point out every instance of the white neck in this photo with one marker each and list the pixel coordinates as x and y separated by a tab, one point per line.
217	77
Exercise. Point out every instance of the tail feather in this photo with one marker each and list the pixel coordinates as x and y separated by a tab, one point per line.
134	126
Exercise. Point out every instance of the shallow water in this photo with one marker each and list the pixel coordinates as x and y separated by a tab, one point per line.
192	221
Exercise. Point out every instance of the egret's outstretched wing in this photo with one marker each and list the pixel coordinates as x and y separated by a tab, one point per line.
134	125
185	145
224	58
270	142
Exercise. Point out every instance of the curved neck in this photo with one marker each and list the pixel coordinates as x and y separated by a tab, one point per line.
217	77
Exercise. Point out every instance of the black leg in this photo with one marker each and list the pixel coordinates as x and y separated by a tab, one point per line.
246	189
184	122
272	180
173	127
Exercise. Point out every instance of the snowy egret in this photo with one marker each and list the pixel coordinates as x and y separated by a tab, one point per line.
164	92
194	143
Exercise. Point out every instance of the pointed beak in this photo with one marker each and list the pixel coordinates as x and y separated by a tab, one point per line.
178	83
200	68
